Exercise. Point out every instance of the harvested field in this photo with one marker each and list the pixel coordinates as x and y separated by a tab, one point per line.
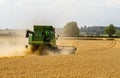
93	59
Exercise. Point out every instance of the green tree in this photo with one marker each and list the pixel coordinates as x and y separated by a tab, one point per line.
71	29
110	30
117	33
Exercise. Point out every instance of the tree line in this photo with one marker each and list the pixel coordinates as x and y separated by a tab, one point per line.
71	29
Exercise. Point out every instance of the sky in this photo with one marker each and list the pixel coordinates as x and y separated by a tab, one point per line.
26	13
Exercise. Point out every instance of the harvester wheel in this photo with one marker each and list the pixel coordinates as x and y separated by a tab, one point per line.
34	48
40	49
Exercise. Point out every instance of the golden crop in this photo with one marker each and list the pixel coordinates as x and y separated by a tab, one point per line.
93	59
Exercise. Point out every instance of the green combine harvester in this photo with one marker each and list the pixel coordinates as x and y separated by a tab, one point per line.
43	38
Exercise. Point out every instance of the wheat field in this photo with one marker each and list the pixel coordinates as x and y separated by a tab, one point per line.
93	59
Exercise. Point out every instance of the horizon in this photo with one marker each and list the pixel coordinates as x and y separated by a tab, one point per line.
53	26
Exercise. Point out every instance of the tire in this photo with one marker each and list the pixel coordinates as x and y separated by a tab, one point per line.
34	48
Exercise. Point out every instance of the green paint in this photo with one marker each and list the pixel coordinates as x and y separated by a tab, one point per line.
42	35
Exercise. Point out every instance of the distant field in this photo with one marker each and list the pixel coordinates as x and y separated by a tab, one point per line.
93	59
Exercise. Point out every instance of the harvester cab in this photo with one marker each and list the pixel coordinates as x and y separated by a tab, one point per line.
42	38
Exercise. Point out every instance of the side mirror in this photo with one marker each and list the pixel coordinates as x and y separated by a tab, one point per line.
27	34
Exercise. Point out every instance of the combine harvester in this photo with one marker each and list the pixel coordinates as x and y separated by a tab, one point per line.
43	41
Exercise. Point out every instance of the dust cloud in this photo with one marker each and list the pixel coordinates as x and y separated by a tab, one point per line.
58	51
13	46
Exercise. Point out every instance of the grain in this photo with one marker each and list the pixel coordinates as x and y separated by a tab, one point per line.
93	59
